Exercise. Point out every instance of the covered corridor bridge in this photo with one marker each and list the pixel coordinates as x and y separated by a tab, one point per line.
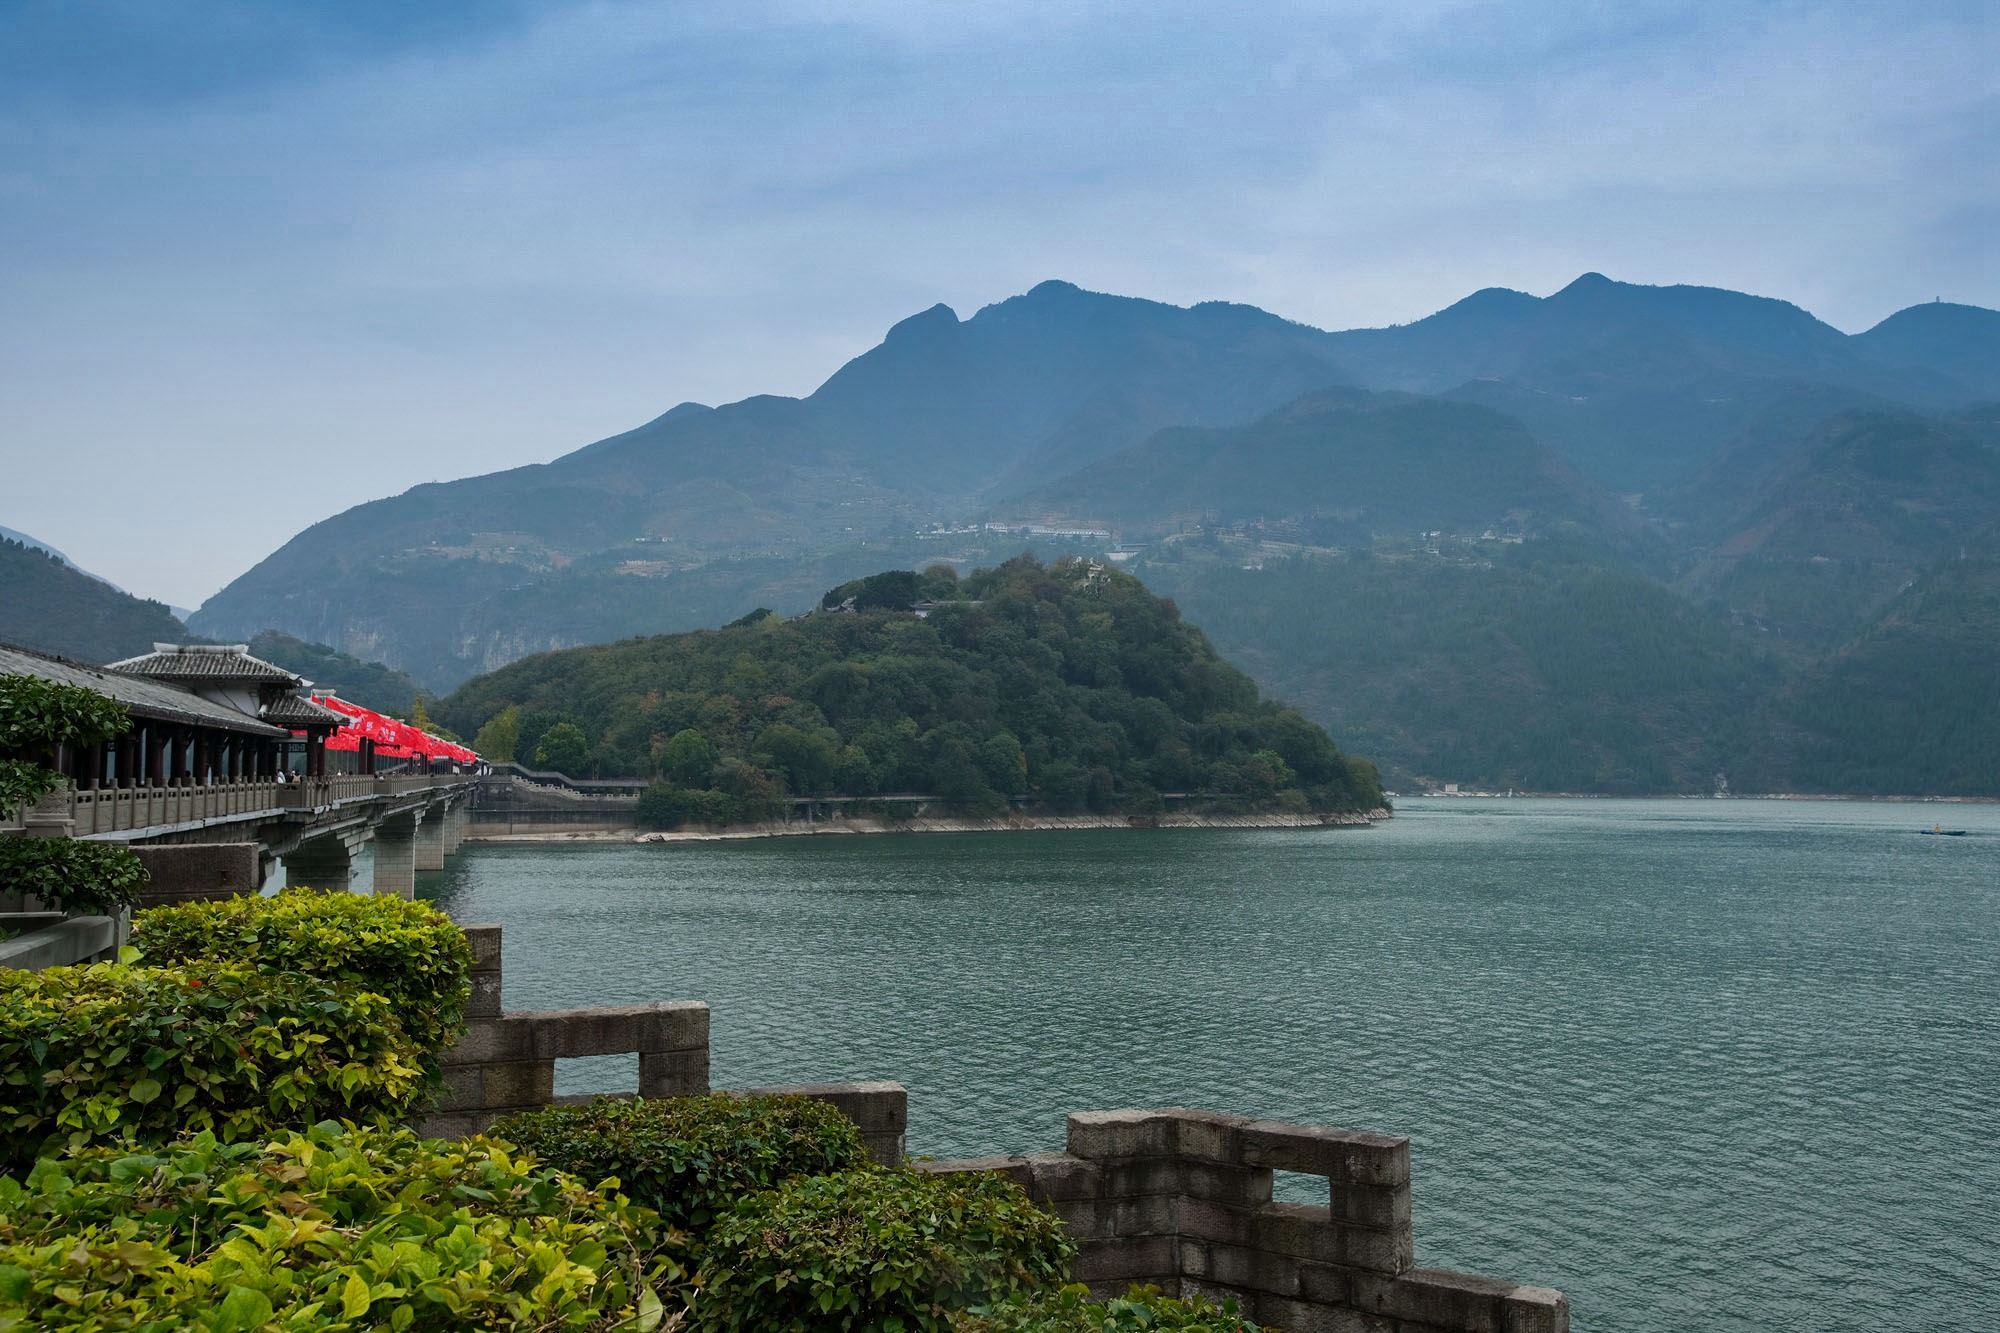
202	785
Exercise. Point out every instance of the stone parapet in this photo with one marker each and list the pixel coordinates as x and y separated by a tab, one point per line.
1181	1199
881	1111
49	940
505	1061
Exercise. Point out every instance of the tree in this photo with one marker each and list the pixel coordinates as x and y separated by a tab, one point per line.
38	717
420	718
563	748
688	759
806	758
497	739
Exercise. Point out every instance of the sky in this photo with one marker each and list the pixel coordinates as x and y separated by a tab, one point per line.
262	261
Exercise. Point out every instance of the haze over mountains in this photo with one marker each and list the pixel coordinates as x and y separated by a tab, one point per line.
1783	481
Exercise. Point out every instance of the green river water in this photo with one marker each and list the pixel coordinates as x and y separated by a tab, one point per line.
1701	1064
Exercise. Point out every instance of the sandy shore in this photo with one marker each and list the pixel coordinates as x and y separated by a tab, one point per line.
1011	824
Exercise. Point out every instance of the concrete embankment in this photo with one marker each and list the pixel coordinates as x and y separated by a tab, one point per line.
1010	824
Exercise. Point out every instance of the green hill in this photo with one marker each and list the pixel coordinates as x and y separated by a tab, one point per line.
1912	706
1809	545
1536	666
54	608
1069	685
1344	464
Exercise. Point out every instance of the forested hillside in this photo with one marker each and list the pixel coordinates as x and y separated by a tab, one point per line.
952	421
1912	705
369	684
1070	685
1528	666
1615	538
1354	464
49	606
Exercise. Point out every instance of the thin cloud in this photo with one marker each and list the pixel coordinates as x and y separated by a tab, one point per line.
381	250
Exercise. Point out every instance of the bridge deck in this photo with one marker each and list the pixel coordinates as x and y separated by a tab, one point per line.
127	813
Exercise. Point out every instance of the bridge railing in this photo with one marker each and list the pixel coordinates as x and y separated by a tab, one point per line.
100	811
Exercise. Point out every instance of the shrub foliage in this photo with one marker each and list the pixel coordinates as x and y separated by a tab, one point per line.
117	1052
81	878
332	1228
875	1249
1070	1310
410	953
36	717
690	1158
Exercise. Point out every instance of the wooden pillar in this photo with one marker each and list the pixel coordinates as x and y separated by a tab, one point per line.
125	761
156	758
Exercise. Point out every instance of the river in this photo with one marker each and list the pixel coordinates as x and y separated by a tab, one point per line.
1701	1064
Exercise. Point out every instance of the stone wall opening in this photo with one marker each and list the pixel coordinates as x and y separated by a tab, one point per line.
582	1075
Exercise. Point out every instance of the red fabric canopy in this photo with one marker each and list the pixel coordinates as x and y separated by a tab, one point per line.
393	739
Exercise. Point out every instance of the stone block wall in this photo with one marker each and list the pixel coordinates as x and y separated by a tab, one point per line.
197	872
880	1110
1182	1199
505	1062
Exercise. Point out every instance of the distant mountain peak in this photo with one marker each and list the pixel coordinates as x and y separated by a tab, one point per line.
924	324
679	412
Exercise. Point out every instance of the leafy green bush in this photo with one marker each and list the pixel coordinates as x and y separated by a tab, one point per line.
410	953
874	1250
37	715
1070	1310
23	783
690	1158
333	1228
81	878
115	1052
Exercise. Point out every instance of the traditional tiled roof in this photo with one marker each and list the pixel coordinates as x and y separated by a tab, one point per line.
205	662
153	700
289	710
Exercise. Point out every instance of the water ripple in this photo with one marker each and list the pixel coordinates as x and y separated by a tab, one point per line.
1721	1065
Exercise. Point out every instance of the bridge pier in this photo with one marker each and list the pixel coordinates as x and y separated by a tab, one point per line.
326	864
396	855
431	843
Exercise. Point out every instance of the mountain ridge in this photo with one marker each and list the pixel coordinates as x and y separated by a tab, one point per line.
704	510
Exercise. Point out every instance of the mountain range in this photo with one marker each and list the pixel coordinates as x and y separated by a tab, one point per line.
1784	485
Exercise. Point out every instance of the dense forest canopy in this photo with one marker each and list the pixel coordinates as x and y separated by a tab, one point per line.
53	608
1067	686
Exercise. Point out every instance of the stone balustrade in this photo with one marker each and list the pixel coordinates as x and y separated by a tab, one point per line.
1181	1199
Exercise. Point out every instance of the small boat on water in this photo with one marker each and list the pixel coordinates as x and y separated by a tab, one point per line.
1940	831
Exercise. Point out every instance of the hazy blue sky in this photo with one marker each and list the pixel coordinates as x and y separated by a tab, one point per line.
262	261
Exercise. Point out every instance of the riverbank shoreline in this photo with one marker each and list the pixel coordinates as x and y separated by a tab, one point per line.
839	827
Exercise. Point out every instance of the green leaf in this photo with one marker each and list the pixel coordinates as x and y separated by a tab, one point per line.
145	1090
243	1309
354	1297
651	1312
